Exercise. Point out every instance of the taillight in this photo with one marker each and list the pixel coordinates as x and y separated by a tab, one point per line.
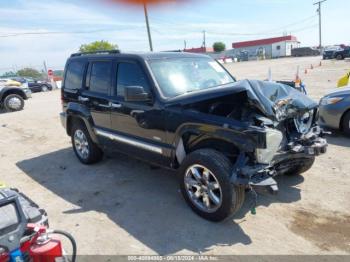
62	96
4	255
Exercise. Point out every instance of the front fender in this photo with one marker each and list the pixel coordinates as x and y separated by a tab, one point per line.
81	112
12	90
245	142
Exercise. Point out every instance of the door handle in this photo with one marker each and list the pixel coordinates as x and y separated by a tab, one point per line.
83	99
104	105
115	105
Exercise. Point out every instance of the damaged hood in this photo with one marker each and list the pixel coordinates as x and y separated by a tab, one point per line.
277	100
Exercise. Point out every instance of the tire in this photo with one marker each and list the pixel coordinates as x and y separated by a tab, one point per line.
89	152
301	167
345	124
44	88
13	102
339	57
218	169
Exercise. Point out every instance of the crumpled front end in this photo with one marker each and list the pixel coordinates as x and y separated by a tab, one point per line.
292	136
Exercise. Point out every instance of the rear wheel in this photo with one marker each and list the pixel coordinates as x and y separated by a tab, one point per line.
346	123
85	149
13	102
44	88
301	167
205	184
339	57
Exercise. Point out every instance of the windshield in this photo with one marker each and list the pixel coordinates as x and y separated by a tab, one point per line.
183	75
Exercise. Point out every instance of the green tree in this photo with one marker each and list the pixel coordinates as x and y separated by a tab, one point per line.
9	74
219	46
97	46
29	72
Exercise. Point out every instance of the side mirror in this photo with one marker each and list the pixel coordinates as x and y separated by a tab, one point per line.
136	94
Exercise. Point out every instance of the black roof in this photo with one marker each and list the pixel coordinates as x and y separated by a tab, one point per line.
142	55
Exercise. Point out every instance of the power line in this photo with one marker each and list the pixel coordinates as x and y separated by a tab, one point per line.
272	31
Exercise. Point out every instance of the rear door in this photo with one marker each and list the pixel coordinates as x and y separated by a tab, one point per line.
97	92
73	81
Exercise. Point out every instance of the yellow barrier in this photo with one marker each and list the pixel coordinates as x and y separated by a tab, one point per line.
344	81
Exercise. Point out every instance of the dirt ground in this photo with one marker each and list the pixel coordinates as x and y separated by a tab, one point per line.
122	206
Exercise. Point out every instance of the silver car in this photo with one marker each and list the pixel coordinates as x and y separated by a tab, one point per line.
334	110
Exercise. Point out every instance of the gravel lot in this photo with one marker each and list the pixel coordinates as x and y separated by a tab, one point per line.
122	206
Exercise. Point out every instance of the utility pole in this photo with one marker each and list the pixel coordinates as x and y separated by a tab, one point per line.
45	69
319	3
204	44
147	25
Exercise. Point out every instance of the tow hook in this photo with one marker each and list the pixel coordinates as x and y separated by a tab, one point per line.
270	184
254	201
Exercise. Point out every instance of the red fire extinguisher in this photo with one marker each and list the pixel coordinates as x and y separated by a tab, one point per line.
42	244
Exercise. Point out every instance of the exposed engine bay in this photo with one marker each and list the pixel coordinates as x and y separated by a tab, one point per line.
288	117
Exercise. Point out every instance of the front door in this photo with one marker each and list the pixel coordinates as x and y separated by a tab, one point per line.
139	126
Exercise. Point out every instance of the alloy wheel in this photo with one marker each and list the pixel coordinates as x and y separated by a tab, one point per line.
14	103
81	144
203	188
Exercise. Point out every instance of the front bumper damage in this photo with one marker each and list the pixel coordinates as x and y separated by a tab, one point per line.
261	176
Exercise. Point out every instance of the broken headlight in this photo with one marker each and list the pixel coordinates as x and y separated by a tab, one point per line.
303	122
273	142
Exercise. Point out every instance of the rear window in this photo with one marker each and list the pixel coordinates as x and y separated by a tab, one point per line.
74	75
100	77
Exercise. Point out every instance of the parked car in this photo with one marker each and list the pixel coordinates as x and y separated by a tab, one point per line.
12	98
186	112
342	54
305	51
9	82
35	85
335	110
328	54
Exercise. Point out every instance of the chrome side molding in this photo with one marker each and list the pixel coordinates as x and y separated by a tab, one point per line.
130	141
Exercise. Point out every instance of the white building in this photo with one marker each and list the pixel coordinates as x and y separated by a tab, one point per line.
266	48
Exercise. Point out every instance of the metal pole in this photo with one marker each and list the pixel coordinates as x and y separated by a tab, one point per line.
319	3
147	25
204	43
45	69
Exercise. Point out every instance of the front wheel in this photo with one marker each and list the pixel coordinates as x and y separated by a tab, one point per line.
13	102
205	184
85	149
339	57
346	123
301	167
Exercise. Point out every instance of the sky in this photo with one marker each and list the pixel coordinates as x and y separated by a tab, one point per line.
61	26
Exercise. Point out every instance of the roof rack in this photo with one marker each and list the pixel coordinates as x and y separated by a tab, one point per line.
99	52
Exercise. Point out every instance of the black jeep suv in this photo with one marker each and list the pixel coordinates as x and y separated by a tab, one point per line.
186	112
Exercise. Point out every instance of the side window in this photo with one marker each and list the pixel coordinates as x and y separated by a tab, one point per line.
130	74
74	75
100	77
